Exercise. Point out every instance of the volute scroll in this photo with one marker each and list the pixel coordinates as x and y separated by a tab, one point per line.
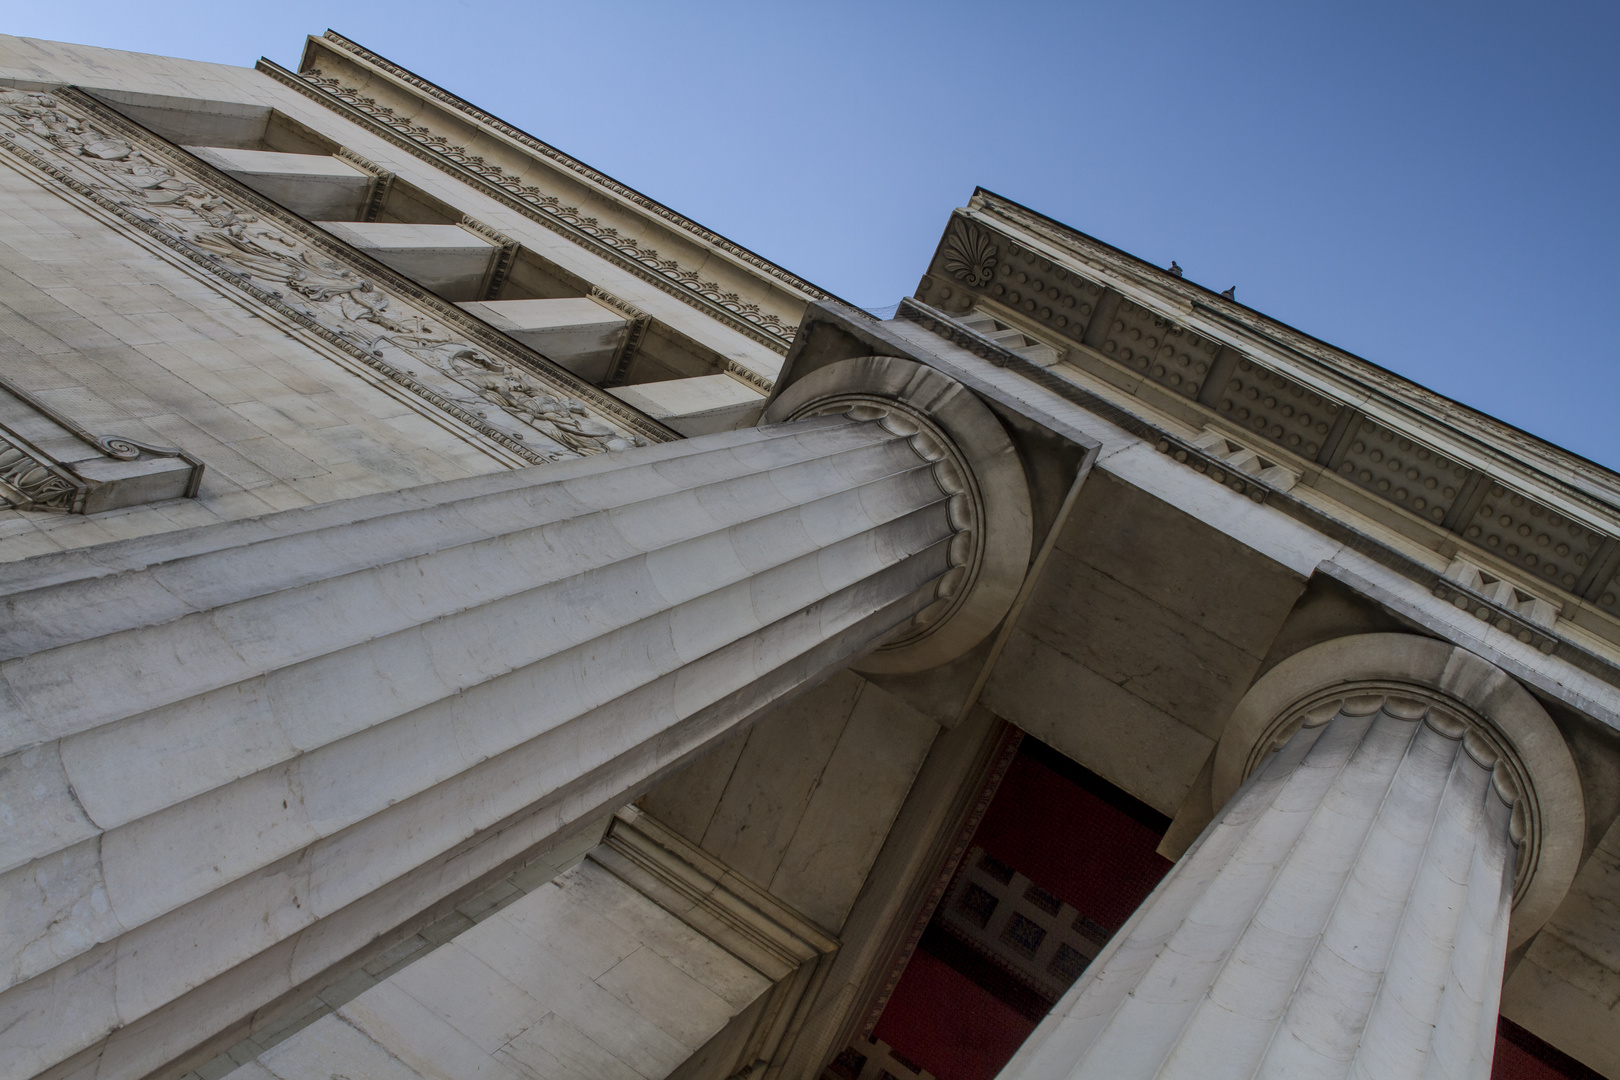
977	468
1460	696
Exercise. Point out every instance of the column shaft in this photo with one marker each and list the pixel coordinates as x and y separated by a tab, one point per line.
1346	916
234	756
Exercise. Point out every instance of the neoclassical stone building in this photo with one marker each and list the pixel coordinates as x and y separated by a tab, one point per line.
464	619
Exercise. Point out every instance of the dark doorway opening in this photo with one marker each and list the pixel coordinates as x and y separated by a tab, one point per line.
1057	864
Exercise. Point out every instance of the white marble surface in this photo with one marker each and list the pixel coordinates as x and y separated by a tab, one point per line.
803	800
695	406
525	646
574	331
447	259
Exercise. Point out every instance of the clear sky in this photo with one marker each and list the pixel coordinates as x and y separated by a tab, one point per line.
1430	185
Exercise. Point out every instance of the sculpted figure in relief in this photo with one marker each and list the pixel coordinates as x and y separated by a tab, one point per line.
325	291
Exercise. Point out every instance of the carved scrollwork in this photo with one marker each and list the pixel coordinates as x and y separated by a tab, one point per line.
971	256
27	483
191	211
987	495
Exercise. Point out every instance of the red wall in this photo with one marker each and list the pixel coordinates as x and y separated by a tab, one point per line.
1522	1056
948	1025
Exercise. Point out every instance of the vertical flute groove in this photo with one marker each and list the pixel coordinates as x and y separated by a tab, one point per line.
1346	915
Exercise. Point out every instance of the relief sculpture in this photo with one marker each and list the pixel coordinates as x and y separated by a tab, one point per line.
414	346
27	483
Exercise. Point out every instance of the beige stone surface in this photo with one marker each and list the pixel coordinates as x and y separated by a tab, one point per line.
575	331
166	91
854	804
588	977
361	633
898	886
804	803
1107	729
695	406
166	810
1177	619
130	344
1347	915
447	259
770	785
318	187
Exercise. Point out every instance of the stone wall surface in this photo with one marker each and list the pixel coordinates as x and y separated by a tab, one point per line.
607	973
1173	567
194	92
802	801
1177	620
375	663
132	345
1347	916
1566	989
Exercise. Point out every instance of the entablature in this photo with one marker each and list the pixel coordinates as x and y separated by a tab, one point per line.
720	278
1361	440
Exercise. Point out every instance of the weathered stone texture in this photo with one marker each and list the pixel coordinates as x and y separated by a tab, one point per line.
582	978
803	801
127	342
454	634
1146	630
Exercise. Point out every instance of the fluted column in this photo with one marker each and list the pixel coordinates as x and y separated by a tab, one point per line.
1345	916
234	756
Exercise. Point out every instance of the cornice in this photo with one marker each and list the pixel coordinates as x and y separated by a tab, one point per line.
623	191
1357	432
606	242
548	210
1355	373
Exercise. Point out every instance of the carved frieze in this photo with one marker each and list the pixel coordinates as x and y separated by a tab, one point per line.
1380	460
970	256
321	289
545	150
1155	347
29	482
972	261
1543	542
625	251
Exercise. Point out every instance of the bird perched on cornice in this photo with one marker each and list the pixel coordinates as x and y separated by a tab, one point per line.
1175	268
1230	294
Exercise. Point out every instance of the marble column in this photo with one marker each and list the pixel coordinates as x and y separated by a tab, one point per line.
232	757
1345	916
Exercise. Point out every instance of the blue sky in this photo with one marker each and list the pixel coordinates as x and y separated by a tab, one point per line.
1432	186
